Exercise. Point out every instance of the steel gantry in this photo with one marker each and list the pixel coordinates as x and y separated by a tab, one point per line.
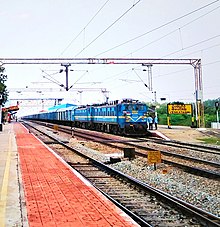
196	63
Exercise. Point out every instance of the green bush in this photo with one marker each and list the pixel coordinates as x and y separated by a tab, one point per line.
186	119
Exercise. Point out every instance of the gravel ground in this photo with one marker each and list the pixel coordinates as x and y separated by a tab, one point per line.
200	191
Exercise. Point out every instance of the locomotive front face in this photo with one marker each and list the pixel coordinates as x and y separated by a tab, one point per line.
133	118
134	113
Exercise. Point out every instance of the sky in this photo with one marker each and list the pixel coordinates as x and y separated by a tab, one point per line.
111	28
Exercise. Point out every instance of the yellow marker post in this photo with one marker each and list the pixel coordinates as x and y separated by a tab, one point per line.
154	157
56	127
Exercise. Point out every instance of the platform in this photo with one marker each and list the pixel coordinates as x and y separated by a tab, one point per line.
11	208
184	133
39	189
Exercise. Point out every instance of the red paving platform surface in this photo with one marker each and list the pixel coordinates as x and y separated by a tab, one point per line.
57	195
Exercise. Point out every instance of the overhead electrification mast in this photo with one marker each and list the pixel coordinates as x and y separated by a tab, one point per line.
66	62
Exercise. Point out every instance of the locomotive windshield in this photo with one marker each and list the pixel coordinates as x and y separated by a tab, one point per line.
134	107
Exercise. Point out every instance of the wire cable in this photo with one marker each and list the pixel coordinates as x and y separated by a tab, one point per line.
84	28
159	27
107	28
174	31
195	44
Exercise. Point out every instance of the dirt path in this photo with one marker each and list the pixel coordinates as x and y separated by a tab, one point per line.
185	134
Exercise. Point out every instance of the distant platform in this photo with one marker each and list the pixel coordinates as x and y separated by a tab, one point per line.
184	133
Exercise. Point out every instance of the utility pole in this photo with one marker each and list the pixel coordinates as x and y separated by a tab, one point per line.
199	106
66	70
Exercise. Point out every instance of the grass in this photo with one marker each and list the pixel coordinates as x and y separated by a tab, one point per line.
211	140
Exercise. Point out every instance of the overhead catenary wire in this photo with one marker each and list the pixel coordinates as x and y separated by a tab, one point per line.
201	50
157	28
195	44
173	31
107	28
71	42
167	23
179	71
102	32
188	23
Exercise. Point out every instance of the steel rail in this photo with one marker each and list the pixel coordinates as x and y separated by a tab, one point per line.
180	144
190	169
204	217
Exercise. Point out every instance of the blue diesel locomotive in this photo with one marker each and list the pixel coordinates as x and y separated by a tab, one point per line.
127	117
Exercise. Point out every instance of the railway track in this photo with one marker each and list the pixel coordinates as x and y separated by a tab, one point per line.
185	145
145	204
203	167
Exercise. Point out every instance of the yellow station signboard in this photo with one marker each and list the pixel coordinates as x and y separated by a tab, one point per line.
179	108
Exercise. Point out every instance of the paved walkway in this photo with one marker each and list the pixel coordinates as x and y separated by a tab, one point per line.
58	196
10	197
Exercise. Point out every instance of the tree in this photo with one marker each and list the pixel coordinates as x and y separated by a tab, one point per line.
185	119
3	90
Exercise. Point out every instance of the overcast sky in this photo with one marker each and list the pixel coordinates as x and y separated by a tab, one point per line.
112	28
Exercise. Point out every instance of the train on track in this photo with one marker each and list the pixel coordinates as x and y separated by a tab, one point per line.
125	117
